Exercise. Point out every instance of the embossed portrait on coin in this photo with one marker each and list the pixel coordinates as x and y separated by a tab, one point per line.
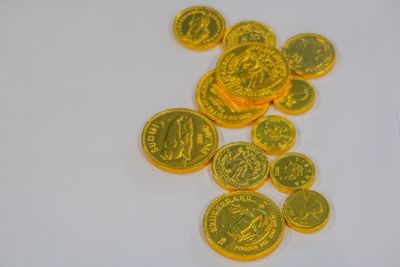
307	208
198	28
250	226
308	53
178	139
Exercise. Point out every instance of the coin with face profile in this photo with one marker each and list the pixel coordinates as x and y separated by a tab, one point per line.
309	55
199	27
179	140
306	211
243	225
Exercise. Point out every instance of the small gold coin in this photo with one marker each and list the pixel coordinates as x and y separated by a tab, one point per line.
252	73
309	55
240	166
199	27
291	172
249	32
298	98
220	108
306	211
274	134
243	225
179	140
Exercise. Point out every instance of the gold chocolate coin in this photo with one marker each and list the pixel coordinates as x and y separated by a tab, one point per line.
291	172
220	108
274	134
306	211
298	99
199	27
240	166
179	140
252	73
243	225
249	32
309	55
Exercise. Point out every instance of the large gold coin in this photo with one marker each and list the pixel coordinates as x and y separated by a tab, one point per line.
291	172
274	134
220	108
252	73
243	225
240	166
249	32
199	27
306	211
179	140
309	55
298	98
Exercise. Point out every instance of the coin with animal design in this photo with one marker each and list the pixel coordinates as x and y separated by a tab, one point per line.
243	225
249	32
240	166
199	27
252	73
221	108
298	98
309	55
179	140
275	134
291	172
306	211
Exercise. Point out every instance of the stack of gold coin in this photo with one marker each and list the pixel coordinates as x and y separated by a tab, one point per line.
250	75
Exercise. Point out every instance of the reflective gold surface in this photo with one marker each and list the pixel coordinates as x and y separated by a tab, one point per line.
274	134
309	55
252	73
179	140
240	166
220	108
291	172
306	211
298	98
243	225
199	27
249	32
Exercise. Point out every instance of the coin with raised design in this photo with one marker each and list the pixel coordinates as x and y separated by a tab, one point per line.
240	166
179	140
249	32
274	134
243	225
252	73
291	172
306	211
220	107
199	27
297	99
309	55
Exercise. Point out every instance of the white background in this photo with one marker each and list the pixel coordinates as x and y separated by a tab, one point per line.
78	80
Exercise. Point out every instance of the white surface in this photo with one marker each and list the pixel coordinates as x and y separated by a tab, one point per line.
78	80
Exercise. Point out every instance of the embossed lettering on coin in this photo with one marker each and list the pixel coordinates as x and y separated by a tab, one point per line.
309	55
220	108
179	140
243	225
199	27
306	211
249	32
298	98
239	166
274	134
291	172
252	73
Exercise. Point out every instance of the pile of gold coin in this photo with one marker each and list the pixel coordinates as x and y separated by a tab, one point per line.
251	74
